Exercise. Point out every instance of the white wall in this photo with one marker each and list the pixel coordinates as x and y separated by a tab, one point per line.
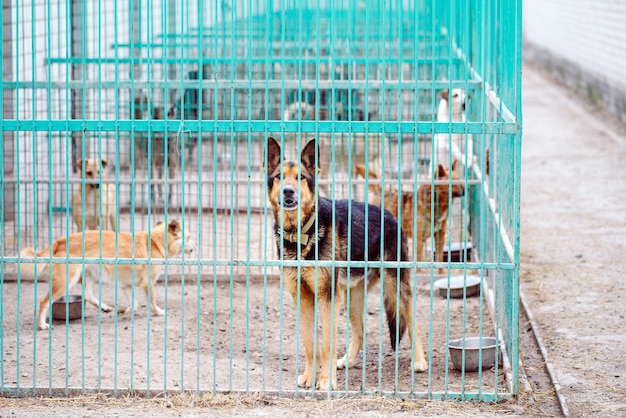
587	34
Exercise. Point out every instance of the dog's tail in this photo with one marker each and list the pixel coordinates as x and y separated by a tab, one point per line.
398	301
361	171
28	268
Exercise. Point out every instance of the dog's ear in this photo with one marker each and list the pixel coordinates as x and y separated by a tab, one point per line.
407	197
104	163
444	94
360	170
174	227
441	172
454	164
307	157
273	155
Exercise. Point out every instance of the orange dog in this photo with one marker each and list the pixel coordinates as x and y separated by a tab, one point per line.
162	241
432	211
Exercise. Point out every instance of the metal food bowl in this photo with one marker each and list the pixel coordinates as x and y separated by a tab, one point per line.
457	284
457	252
74	310
472	349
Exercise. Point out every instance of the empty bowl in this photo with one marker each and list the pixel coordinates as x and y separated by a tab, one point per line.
456	284
74	307
472	350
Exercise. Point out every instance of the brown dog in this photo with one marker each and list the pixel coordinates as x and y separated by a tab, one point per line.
99	202
312	228
140	245
432	211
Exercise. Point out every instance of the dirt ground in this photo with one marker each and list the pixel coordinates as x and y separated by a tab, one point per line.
229	359
236	342
573	236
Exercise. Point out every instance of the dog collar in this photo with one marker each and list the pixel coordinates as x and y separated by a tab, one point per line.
302	238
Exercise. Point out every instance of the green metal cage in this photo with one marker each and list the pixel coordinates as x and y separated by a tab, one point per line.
179	97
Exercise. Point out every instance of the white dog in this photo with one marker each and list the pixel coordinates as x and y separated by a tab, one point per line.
452	109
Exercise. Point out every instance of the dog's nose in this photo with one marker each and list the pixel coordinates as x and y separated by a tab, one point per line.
190	246
290	197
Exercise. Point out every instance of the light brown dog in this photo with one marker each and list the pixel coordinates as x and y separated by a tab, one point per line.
161	241
432	211
99	202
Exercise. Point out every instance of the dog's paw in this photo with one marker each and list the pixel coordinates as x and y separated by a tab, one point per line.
106	308
44	326
123	311
158	311
420	366
343	362
305	381
324	383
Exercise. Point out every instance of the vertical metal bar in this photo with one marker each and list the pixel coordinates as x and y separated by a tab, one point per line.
366	112
20	204
102	215
399	61
382	68
117	185
417	154
233	190
249	67
266	234
348	46
82	31
515	298
133	188
282	147
33	77
201	69
216	105
5	112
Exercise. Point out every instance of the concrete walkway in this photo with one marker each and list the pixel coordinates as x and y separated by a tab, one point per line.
573	250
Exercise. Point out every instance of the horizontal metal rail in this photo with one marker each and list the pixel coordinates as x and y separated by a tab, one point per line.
259	263
359	85
388	127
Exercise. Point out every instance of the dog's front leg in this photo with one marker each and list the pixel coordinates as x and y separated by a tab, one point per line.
148	287
132	301
329	315
356	326
419	242
307	331
91	280
440	237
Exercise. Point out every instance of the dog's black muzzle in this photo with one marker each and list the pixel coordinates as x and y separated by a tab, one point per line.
289	198
93	184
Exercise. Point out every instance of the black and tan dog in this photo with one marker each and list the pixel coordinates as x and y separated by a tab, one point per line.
309	227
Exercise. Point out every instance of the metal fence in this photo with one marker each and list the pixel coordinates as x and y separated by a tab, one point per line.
174	101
